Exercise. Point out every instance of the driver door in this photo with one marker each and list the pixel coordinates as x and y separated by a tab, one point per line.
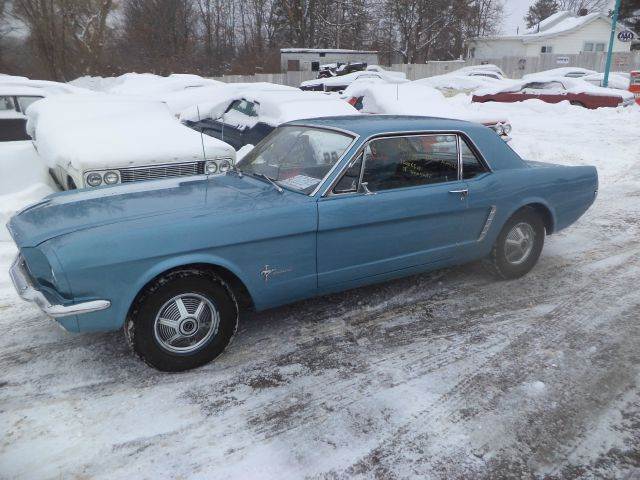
401	204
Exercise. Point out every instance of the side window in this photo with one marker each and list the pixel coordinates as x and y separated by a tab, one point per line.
471	164
24	102
6	103
400	162
349	181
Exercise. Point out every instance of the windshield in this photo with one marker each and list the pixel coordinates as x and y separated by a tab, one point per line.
297	158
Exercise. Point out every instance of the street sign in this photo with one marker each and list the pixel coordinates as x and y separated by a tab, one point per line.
562	60
626	36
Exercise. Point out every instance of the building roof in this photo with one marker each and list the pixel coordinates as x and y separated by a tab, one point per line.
325	50
559	23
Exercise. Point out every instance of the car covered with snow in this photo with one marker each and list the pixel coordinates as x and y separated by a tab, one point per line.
467	79
415	98
95	140
14	100
245	117
320	206
338	84
556	90
568	72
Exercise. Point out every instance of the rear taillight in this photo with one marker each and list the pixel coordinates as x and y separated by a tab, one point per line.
352	101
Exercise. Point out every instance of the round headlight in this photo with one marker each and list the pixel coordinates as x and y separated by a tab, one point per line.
224	166
210	168
94	179
507	128
111	178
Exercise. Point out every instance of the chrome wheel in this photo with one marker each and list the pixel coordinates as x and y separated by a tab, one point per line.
185	323
519	243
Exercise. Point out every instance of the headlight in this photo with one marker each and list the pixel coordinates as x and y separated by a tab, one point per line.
210	168
94	179
111	178
224	166
499	128
506	128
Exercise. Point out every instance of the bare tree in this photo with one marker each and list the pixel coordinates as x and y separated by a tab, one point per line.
590	6
68	36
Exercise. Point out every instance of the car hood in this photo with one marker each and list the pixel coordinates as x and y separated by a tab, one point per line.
66	212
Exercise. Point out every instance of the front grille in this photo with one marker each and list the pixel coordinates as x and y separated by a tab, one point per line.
138	174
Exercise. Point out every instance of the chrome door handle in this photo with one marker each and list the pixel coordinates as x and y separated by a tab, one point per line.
463	193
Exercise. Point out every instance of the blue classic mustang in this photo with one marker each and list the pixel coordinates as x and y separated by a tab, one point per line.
318	206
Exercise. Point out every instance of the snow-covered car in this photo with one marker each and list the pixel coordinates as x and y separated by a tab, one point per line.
569	72
245	117
95	140
415	98
14	100
467	79
617	80
556	90
319	207
338	84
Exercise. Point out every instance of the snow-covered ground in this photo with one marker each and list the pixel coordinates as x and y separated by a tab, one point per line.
447	375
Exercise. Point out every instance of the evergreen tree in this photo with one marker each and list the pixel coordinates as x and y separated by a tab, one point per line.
540	10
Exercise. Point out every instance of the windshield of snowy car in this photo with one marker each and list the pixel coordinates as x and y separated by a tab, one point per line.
296	157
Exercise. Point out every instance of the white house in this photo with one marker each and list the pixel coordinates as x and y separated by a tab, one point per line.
562	33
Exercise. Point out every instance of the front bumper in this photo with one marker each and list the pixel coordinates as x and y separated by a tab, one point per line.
26	290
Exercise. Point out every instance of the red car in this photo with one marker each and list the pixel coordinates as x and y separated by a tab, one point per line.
556	90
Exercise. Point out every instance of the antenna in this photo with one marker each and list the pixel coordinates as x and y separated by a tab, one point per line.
397	92
204	153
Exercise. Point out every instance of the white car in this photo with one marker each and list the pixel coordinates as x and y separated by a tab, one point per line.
415	98
466	79
244	117
99	139
568	72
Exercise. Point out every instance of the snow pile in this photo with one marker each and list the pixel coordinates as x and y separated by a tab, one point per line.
414	98
272	106
107	131
46	87
144	84
390	73
24	179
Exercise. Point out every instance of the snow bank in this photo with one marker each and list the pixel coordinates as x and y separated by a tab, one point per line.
46	87
274	107
24	179
617	81
144	84
98	131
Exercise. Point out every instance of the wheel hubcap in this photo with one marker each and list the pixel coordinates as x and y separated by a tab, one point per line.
185	323
519	243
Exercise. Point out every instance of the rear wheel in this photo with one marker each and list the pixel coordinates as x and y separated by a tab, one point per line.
183	320
518	247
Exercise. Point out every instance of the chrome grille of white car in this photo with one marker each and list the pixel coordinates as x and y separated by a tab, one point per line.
137	174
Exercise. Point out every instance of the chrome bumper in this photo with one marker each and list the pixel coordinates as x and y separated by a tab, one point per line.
26	290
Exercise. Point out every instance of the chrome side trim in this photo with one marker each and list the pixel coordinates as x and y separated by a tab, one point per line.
487	223
27	292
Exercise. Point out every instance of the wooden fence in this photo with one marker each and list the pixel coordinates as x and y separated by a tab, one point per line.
513	67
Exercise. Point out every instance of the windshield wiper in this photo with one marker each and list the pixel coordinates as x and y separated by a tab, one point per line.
278	188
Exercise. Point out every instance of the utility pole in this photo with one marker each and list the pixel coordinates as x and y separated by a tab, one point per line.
612	39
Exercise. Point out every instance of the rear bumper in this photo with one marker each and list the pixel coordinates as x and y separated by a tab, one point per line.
28	292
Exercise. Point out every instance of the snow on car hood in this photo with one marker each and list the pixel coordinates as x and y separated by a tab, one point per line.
85	132
414	98
352	77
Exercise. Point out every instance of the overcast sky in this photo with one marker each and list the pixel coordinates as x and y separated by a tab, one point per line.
514	11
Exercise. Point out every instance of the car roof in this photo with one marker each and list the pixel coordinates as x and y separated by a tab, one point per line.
367	125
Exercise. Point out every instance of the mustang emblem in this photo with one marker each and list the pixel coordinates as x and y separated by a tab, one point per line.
268	271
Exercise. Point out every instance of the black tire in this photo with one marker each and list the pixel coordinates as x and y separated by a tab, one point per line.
499	264
140	326
575	103
71	185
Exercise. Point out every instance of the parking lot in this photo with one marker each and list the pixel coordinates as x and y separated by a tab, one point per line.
446	375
